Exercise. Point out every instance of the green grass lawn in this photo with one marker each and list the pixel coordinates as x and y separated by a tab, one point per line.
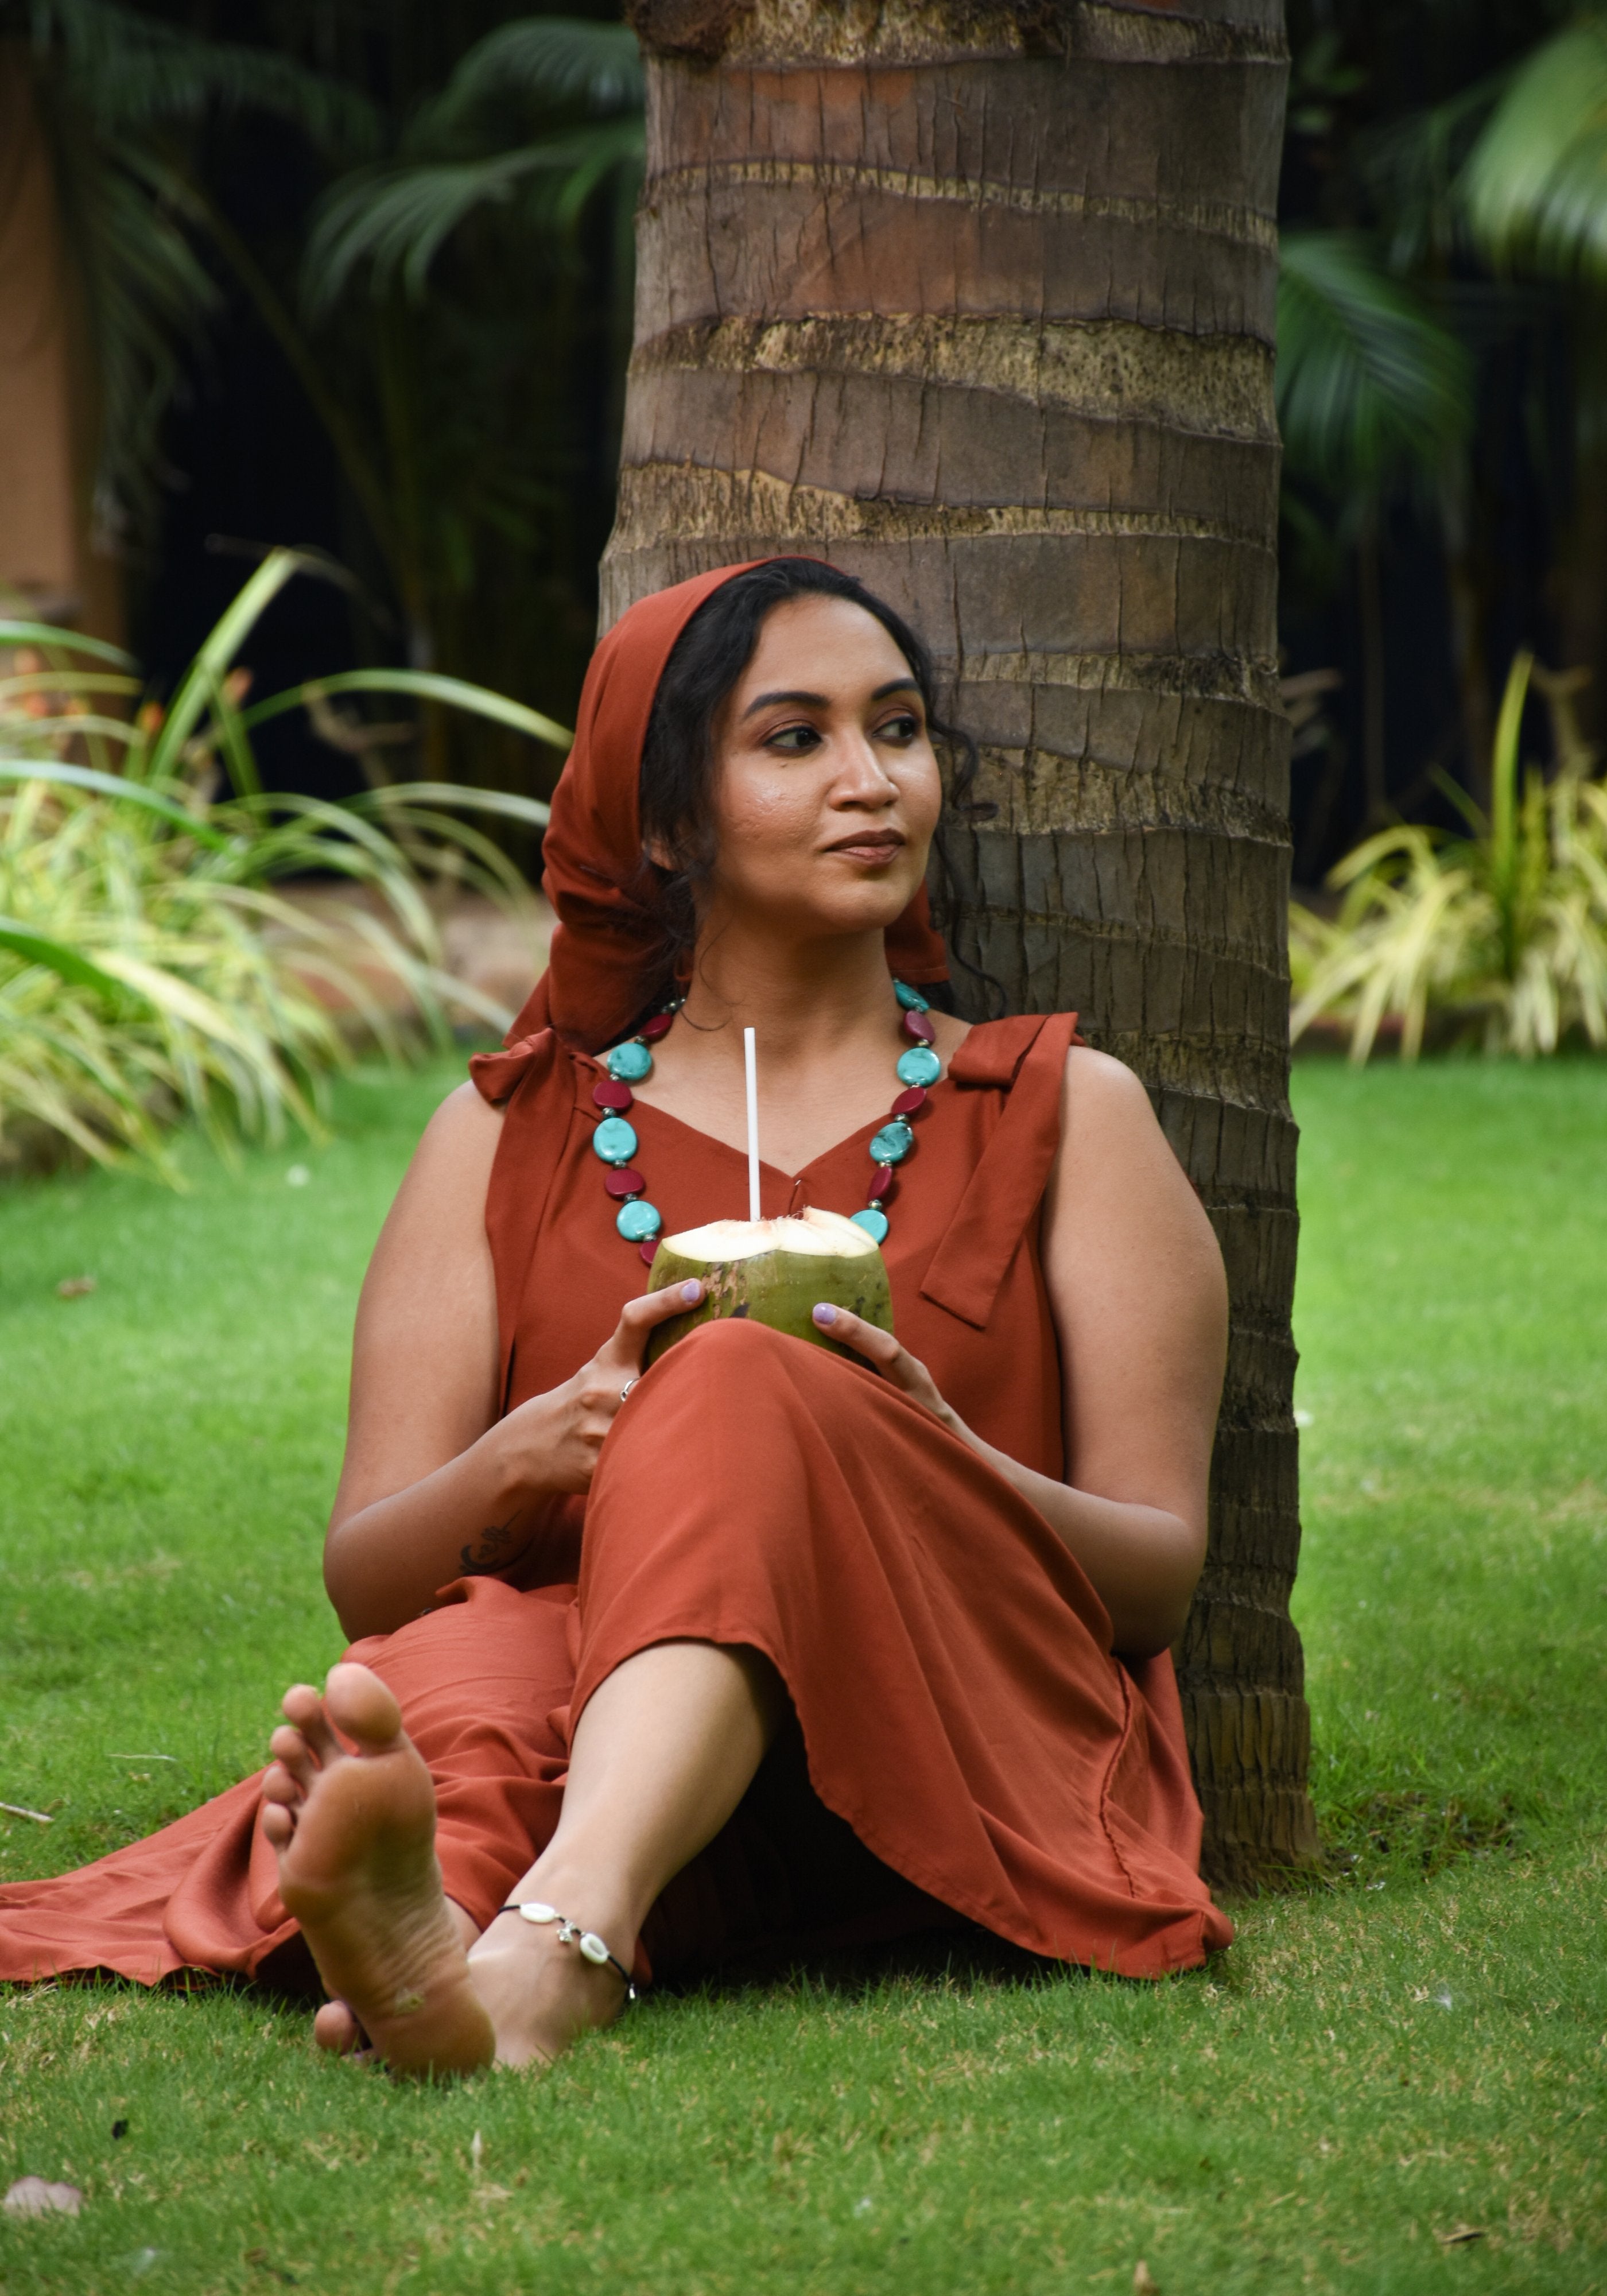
1417	2046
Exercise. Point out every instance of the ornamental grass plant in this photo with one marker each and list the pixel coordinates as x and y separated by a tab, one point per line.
1499	934
153	966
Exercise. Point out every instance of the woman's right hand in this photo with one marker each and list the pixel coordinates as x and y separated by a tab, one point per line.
556	1437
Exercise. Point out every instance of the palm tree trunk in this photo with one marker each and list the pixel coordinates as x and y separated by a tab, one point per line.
978	302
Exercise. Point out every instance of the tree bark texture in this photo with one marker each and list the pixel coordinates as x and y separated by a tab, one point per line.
976	302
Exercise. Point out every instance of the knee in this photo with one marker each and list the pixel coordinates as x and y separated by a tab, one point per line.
731	1368
731	1353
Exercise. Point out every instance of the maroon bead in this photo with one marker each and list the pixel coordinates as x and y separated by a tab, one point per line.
625	1180
917	1025
609	1095
649	1250
659	1026
881	1182
907	1102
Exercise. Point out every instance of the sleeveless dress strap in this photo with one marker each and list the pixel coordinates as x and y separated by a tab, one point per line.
534	1082
1025	1057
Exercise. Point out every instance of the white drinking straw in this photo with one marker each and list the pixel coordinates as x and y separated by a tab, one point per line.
749	1064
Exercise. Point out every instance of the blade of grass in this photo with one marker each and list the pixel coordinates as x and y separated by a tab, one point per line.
223	641
409	794
33	769
39	948
70	641
430	685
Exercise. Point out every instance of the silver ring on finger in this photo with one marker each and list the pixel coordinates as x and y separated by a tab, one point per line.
626	1389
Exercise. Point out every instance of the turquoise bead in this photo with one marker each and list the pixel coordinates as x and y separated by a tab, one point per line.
891	1144
910	998
872	1222
638	1220
628	1063
614	1140
919	1065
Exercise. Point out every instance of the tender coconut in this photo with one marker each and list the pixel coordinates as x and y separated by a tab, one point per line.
774	1271
816	1234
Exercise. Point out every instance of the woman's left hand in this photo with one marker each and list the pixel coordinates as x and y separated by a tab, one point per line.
894	1361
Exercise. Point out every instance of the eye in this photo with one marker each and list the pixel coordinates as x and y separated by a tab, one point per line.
904	729
793	741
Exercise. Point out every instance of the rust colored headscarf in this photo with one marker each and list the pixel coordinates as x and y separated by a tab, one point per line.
607	945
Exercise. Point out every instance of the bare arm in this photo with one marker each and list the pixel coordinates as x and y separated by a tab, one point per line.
1140	1303
434	1484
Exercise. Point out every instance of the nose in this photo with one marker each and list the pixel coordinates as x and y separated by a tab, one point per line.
862	779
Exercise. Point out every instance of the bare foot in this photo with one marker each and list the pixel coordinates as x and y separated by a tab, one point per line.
355	1835
541	1996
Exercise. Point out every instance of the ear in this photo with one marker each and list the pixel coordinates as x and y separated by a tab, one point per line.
659	853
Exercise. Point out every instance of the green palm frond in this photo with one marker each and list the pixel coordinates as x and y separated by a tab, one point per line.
1534	184
459	154
559	60
132	73
117	91
1371	385
396	220
1412	165
147	297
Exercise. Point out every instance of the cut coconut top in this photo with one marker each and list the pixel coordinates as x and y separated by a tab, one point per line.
817	1234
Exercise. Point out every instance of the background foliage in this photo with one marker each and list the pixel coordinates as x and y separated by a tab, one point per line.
417	221
152	965
392	247
1443	389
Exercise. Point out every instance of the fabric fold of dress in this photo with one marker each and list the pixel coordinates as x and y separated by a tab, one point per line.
965	1746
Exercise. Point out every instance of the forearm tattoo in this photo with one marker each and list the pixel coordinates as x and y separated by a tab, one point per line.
492	1554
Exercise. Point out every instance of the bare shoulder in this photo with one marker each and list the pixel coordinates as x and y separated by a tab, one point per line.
457	1147
1117	1186
464	1125
440	1207
1101	1091
424	1359
1108	1131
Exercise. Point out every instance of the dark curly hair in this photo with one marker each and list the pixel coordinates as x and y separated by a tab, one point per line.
677	790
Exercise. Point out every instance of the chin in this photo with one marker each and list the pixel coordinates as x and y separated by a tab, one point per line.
877	907
813	901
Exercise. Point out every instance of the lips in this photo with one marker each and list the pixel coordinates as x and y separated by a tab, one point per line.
874	846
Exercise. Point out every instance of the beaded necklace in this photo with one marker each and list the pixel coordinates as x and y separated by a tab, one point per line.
615	1140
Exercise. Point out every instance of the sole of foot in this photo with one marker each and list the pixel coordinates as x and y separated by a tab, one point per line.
353	1827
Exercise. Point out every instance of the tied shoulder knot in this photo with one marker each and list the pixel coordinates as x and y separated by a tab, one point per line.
497	1076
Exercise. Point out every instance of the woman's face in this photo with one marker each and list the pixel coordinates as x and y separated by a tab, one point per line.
826	790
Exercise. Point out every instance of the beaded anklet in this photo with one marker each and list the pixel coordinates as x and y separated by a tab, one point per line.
615	1140
592	1947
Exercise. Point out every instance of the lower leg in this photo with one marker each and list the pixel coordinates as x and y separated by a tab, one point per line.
660	1758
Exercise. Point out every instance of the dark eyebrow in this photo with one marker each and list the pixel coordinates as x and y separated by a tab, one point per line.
822	701
767	700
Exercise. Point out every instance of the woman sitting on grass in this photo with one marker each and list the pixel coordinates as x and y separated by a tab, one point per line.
775	1646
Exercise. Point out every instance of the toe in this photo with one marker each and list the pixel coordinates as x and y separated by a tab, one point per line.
359	1705
280	1785
278	1825
304	1710
292	1760
336	2030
